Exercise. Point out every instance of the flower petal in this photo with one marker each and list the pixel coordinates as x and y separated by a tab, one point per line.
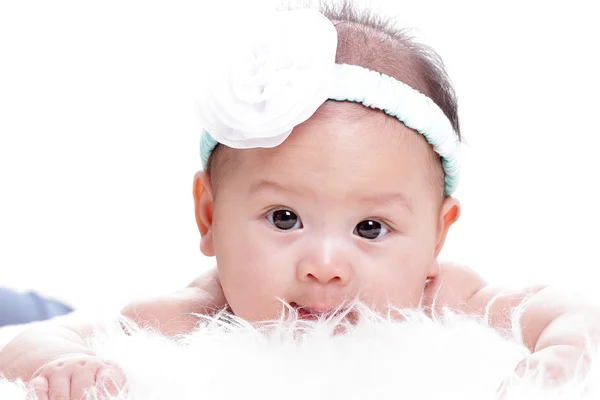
277	81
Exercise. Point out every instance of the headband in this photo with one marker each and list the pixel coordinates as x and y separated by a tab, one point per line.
281	72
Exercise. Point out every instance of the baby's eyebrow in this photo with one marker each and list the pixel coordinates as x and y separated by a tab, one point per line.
267	185
388	199
393	199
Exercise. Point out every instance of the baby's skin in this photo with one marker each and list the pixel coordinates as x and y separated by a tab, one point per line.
370	228
351	205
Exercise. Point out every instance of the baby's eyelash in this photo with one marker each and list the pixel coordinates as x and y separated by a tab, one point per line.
383	221
272	209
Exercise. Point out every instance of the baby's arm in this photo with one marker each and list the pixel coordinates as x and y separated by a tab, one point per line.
42	343
554	325
463	290
550	317
58	347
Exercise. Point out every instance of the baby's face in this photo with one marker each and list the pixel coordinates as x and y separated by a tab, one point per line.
344	208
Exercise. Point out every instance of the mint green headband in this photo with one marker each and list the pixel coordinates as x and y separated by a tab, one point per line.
258	105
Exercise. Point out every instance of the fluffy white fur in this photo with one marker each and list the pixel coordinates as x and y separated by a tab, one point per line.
450	357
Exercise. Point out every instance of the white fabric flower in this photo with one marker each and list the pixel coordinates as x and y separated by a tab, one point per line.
269	77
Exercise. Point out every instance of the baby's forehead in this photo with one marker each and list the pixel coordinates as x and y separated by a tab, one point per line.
350	112
343	118
349	143
339	141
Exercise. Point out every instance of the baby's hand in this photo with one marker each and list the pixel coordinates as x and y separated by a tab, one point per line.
556	364
68	377
553	366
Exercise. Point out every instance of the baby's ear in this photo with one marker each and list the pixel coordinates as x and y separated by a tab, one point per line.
203	205
449	214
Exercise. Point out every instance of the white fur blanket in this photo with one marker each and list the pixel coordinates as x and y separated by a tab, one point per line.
453	357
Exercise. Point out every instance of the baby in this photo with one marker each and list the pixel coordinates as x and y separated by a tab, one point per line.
331	153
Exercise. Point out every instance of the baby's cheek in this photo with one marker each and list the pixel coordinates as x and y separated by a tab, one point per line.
398	281
253	278
397	293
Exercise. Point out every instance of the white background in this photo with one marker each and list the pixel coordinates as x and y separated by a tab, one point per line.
99	142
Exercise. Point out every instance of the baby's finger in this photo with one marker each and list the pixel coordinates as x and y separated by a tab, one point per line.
526	366
39	386
81	381
59	386
110	380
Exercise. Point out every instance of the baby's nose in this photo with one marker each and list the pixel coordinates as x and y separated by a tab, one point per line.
326	265
323	275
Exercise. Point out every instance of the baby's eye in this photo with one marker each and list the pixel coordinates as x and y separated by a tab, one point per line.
370	229
284	219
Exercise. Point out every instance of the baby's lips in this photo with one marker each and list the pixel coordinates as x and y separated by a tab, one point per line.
316	311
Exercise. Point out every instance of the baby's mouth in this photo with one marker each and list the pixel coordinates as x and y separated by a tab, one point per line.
307	313
310	314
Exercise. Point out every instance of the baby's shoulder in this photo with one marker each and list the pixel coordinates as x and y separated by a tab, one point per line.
171	314
176	313
452	287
